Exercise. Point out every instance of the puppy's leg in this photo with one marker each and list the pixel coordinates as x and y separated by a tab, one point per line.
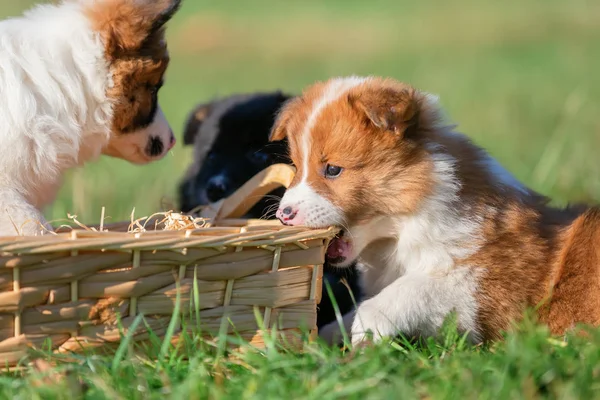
18	217
418	304
331	333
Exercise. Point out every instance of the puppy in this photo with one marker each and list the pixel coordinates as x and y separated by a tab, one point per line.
231	145
438	225
77	79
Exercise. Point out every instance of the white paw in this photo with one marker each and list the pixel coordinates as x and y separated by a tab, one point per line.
371	319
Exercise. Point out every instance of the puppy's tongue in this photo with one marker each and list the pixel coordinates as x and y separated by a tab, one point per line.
339	249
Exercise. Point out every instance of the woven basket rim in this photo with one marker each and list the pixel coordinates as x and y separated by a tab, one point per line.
210	237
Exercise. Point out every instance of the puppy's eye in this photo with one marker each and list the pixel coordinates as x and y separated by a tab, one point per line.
153	89
332	171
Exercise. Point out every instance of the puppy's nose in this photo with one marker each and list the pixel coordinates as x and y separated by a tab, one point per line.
155	146
216	189
286	215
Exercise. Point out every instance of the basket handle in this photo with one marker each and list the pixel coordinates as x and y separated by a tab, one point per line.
243	199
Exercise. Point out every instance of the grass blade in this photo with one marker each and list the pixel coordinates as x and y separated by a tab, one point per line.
172	325
124	346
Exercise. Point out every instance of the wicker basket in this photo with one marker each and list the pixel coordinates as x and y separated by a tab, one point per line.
77	289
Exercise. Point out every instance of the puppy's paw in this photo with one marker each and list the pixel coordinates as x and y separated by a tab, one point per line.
331	333
371	323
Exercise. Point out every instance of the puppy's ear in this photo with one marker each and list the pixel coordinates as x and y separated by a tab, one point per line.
280	127
127	25
194	122
399	109
161	12
284	118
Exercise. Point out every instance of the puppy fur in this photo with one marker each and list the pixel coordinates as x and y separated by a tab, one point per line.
437	224
78	79
231	145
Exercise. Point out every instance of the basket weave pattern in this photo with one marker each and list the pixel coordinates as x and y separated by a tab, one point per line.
72	288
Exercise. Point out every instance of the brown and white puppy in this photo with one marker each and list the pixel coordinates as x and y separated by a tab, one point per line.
437	223
77	79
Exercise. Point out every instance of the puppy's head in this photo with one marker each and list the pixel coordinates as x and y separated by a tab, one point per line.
231	139
132	34
359	146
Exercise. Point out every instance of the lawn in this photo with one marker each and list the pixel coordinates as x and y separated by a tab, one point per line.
519	76
526	365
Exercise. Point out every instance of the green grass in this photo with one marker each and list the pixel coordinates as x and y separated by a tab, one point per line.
526	365
519	76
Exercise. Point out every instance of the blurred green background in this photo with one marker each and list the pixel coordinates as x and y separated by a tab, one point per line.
521	77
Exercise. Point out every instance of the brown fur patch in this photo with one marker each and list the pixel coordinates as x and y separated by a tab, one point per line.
576	282
135	47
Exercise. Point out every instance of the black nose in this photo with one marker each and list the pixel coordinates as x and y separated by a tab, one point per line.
216	190
154	147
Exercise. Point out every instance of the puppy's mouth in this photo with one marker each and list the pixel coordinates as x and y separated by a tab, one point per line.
339	250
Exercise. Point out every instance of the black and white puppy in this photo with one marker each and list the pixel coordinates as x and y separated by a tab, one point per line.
231	145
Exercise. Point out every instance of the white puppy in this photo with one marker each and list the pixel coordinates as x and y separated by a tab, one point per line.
77	80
